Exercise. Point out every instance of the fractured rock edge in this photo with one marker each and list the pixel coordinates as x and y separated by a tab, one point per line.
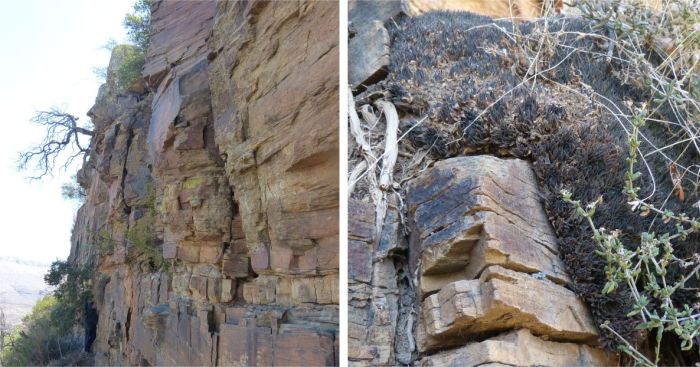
478	234
502	299
469	213
520	348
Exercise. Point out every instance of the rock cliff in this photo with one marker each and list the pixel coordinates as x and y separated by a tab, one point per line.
212	245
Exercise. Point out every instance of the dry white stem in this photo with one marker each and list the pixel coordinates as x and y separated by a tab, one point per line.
354	174
391	146
357	133
369	116
369	163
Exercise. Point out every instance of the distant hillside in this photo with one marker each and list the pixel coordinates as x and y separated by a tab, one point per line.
21	285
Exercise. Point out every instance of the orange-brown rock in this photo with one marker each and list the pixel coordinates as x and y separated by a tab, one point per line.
274	89
521	348
519	9
214	236
503	299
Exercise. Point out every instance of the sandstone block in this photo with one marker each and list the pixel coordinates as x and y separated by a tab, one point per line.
360	221
228	287
169	250
521	348
304	290
260	258
468	213
245	346
188	253
198	286
260	290
303	347
369	50
503	299
210	254
368	47
359	261
327	289
236	267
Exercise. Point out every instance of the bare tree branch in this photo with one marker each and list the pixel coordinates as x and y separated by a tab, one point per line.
62	133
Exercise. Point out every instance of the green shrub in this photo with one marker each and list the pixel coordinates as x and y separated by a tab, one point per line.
73	289
40	338
104	242
138	24
142	234
131	61
131	57
660	51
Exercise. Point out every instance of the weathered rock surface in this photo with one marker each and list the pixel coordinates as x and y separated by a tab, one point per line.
503	299
527	9
212	211
484	269
468	213
372	292
520	348
368	44
275	100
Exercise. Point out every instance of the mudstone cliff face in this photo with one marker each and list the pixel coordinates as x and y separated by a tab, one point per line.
212	245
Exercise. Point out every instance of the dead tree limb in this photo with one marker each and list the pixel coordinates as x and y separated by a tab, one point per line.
62	134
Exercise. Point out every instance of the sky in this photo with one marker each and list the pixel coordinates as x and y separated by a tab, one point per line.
49	49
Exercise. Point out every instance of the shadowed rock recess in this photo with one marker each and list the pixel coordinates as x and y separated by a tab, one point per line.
212	197
479	260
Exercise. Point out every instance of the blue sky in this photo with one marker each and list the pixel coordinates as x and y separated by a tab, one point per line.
49	49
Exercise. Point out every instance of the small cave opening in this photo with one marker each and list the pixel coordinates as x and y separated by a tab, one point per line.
90	325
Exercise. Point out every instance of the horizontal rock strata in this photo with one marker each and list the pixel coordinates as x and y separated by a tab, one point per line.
472	212
520	348
486	263
502	299
212	191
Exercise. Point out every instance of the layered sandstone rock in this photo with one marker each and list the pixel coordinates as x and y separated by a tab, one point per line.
374	291
520	348
483	265
212	195
472	212
470	273
501	300
487	262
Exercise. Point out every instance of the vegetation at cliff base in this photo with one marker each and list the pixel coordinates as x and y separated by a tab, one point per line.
48	334
41	339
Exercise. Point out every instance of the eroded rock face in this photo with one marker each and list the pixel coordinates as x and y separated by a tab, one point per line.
483	266
502	299
486	261
520	348
215	230
472	212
